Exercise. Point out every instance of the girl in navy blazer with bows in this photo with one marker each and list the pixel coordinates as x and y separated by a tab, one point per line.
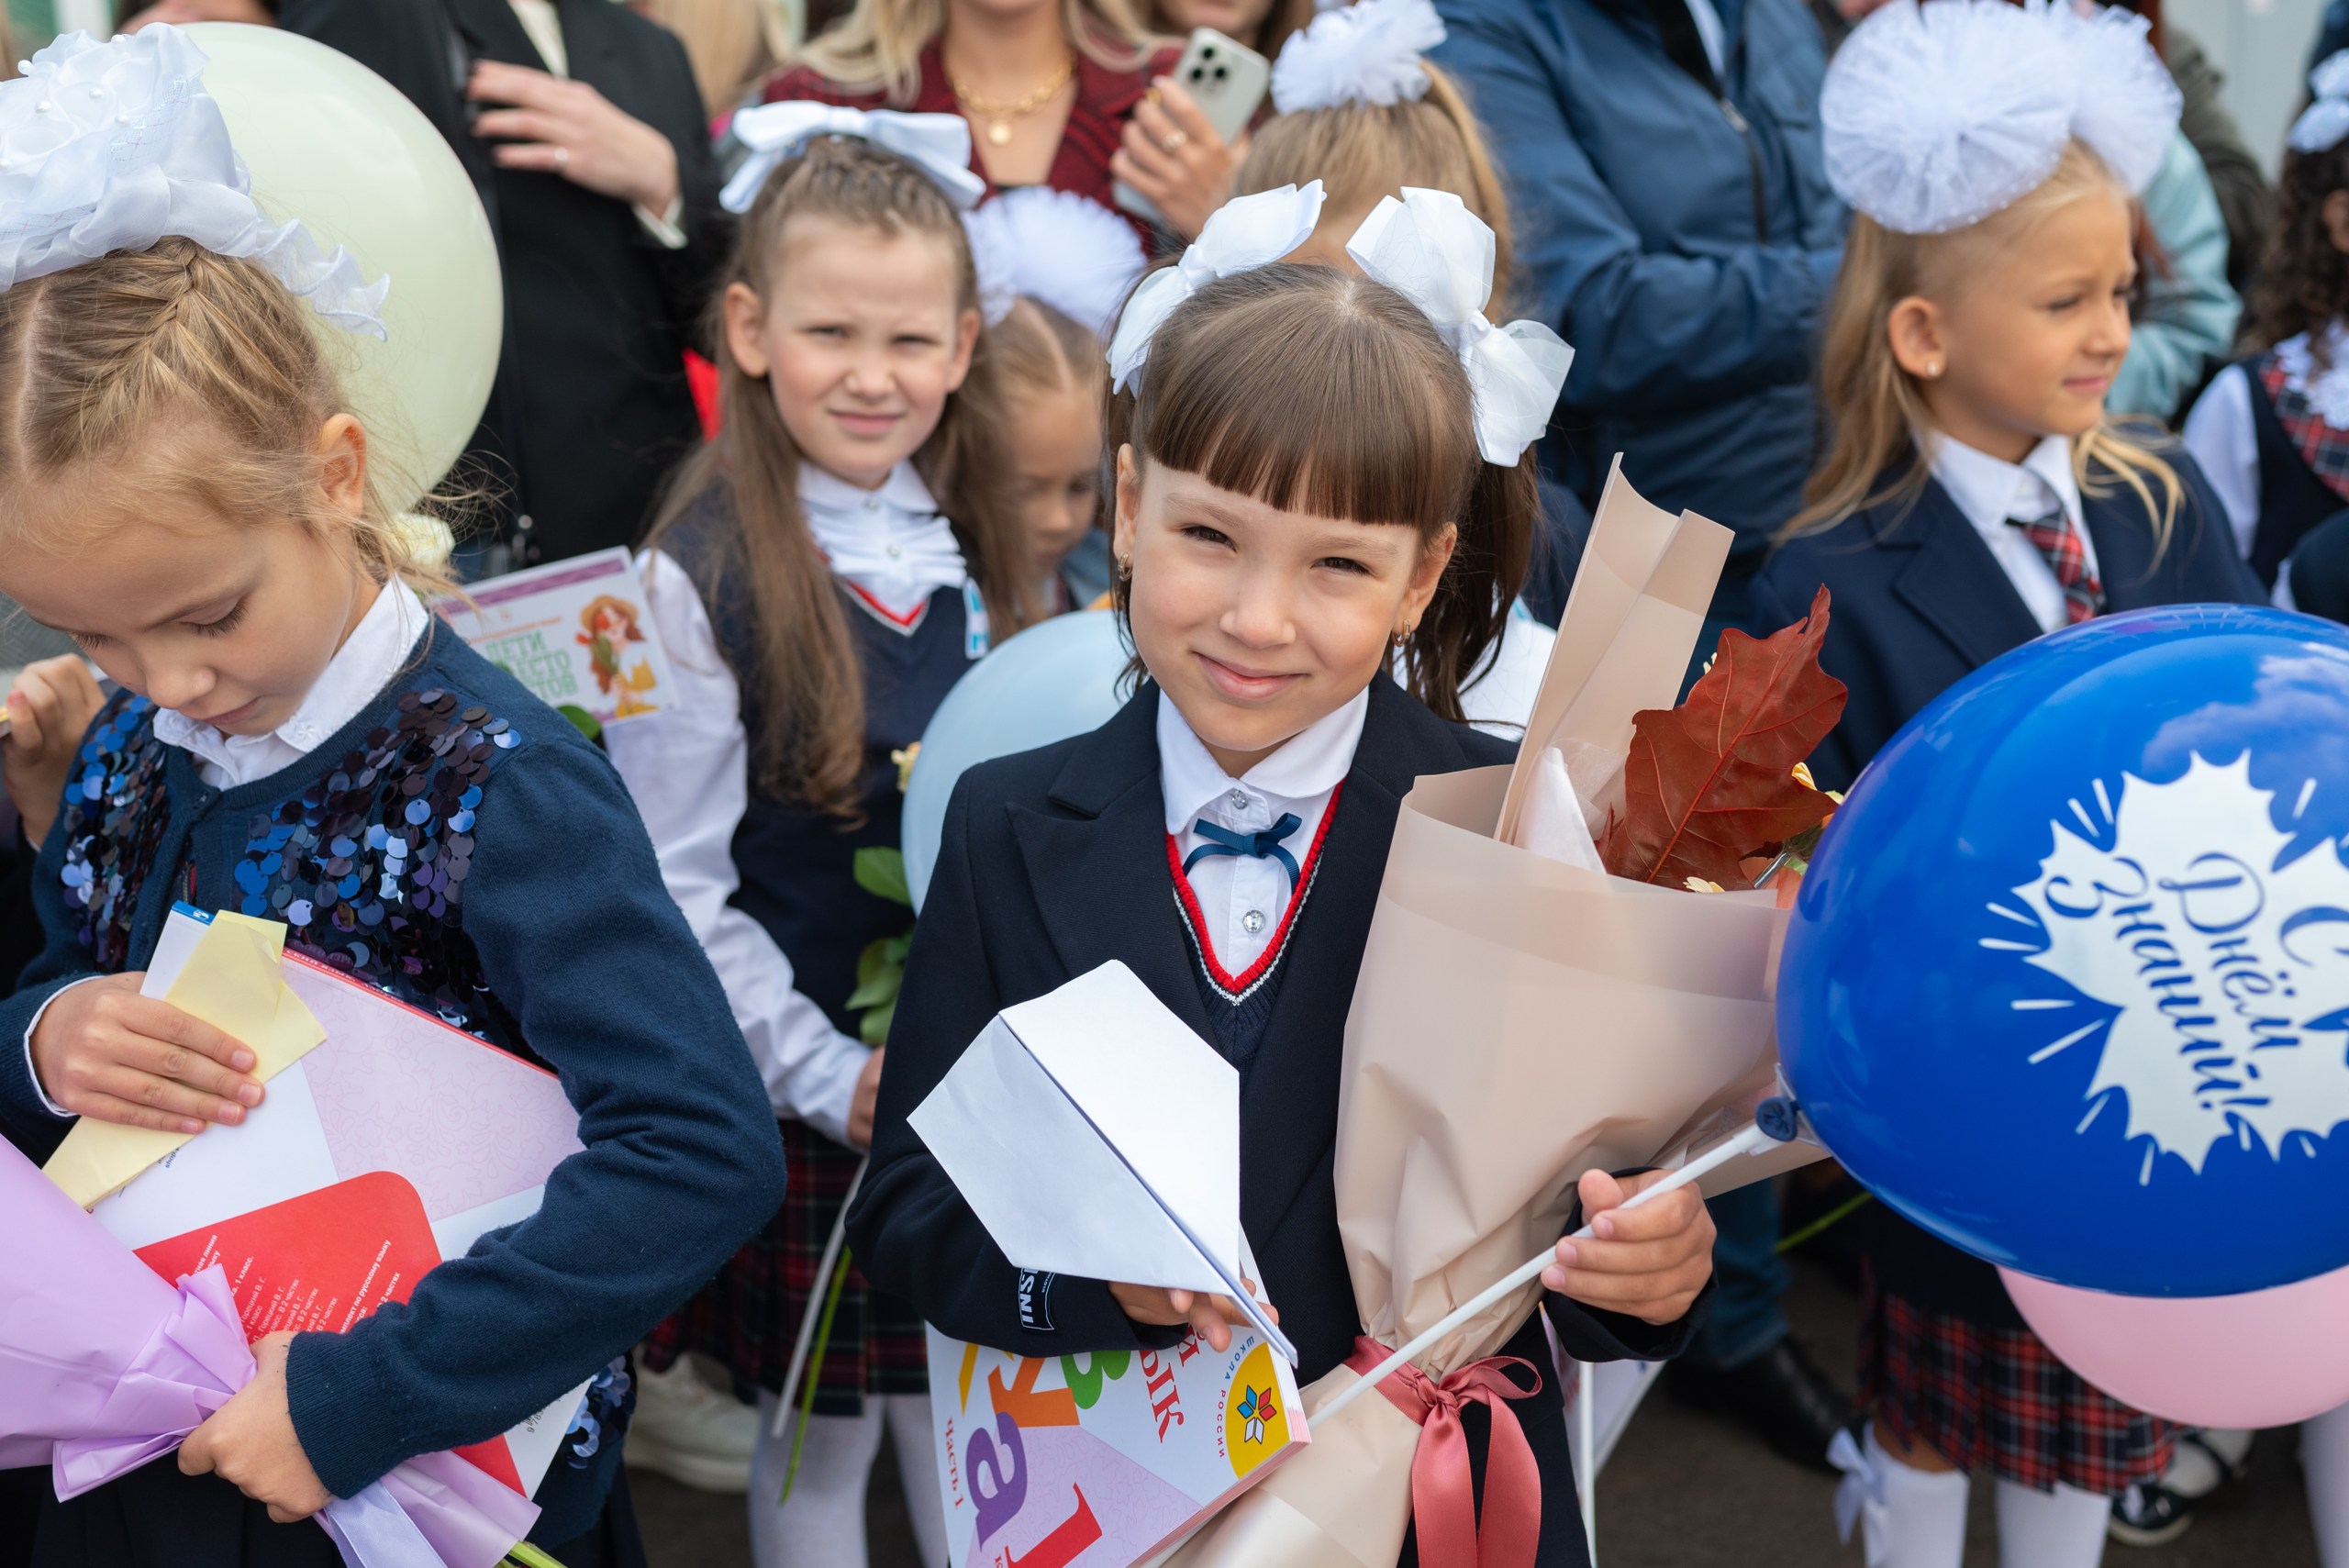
1976	496
1301	508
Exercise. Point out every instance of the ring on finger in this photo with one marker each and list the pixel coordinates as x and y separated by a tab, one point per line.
1173	140
561	157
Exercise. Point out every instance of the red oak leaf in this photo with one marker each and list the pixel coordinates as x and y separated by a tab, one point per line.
1711	782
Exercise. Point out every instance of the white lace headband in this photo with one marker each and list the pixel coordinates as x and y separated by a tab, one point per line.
1937	114
2324	122
113	146
1427	247
1367	53
938	144
1067	249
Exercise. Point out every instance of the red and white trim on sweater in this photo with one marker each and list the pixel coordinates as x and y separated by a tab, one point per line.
1237	988
906	623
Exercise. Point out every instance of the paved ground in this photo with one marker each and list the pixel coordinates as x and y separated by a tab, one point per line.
1683	1491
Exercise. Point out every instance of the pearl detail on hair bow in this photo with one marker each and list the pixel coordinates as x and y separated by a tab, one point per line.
1244	234
939	144
1433	252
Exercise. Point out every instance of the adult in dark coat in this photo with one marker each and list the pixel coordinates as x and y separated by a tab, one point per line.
603	194
1055	861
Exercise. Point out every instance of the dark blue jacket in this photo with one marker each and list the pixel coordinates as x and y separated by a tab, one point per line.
1678	230
1919	603
460	845
1053	863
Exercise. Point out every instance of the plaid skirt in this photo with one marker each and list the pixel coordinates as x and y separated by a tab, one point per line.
748	1317
1997	1401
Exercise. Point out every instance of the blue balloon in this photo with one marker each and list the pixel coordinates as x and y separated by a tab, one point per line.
2068	981
1059	678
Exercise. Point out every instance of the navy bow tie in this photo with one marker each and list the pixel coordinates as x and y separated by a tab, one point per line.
1260	845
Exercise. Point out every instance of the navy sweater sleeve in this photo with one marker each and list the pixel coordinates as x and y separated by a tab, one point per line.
914	1234
580	941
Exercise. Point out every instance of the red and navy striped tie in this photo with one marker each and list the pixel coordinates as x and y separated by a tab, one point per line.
2057	537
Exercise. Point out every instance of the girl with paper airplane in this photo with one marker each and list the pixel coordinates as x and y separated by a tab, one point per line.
1318	474
184	488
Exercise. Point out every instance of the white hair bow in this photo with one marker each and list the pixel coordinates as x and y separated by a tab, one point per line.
111	145
1244	233
1367	53
1436	253
1067	249
2324	122
940	144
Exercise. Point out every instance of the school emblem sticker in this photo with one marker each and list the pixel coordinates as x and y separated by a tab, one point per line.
2222	975
1255	1424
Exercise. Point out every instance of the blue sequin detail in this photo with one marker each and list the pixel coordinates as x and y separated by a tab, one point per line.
603	1414
353	864
115	815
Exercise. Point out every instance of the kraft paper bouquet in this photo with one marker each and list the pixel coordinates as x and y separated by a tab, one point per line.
1525	1014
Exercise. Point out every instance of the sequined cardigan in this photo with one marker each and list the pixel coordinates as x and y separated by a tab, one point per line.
460	845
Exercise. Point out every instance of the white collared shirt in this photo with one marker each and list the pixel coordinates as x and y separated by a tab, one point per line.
1989	490
374	652
890	542
1243	897
2221	438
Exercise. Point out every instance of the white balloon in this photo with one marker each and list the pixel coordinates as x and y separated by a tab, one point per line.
330	142
1059	678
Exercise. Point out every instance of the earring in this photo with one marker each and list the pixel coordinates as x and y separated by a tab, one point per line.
1125	569
1933	370
1402	638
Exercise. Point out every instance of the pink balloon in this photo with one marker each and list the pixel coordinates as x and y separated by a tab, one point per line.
2269	1358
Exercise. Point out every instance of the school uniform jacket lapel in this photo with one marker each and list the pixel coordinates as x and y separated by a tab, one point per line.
2132	579
1100	874
1953	582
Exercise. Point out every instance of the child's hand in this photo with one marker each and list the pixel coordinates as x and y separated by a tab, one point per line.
1649	1262
860	1108
49	707
250	1442
1211	1317
103	1050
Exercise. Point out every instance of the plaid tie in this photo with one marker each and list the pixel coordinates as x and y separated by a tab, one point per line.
2058	539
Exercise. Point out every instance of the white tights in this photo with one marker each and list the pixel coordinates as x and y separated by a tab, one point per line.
1921	1522
823	1524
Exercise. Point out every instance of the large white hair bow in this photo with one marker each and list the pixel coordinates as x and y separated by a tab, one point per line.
111	145
2324	122
1436	253
1067	249
1367	53
939	144
1937	114
1244	233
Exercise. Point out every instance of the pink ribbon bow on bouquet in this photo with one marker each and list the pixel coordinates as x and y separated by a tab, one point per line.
104	1367
1443	1486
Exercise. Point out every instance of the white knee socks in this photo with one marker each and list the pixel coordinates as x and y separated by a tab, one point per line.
1920	1521
2324	1454
2062	1528
823	1524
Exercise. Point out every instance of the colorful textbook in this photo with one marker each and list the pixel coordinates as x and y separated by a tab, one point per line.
574	631
1101	1460
389	1146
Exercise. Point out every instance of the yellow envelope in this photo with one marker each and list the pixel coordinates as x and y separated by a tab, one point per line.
231	982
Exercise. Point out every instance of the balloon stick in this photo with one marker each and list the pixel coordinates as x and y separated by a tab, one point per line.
816	1302
1752	1140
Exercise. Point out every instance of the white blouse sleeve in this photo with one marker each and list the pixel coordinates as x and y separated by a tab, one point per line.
689	768
2220	437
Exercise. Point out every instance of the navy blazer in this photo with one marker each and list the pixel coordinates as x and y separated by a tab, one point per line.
1919	603
1055	861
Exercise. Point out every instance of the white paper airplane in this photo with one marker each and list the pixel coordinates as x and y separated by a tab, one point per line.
1095	1136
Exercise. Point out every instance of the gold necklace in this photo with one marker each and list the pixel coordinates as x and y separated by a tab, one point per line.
1000	115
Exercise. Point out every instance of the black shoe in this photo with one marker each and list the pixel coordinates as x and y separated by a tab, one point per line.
1778	1396
2150	1514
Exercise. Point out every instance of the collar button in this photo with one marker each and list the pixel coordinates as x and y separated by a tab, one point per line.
1238	798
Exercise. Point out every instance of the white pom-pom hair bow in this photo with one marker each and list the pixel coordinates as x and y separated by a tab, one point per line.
1244	234
1433	252
1937	114
1367	53
111	145
2324	122
938	144
1068	250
